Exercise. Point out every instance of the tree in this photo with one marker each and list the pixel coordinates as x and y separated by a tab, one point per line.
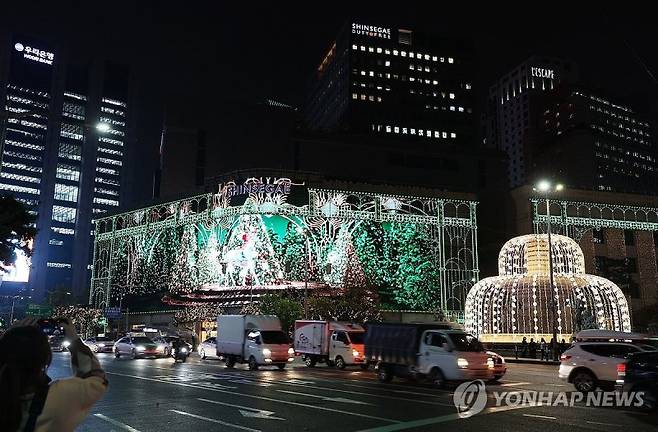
285	308
85	318
16	231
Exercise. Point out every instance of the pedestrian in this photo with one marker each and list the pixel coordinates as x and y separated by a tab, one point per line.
532	348
552	349
563	347
524	347
542	349
30	402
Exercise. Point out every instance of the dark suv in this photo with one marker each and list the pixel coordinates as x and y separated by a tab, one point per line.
640	374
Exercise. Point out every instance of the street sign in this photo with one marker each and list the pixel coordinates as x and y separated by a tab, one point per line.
112	312
102	322
39	310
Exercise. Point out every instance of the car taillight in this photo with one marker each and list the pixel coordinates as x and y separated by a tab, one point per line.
621	369
564	357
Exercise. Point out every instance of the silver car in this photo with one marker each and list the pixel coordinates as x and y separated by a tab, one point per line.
100	344
135	346
208	348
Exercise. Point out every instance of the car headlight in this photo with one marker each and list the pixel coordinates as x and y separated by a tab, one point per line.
66	344
141	348
462	363
267	352
291	351
490	363
355	353
183	350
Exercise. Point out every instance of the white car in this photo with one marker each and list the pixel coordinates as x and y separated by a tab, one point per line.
591	364
100	344
135	346
208	348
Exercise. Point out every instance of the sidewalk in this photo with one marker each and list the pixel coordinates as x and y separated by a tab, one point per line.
531	361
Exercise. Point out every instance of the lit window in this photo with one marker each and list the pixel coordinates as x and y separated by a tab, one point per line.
66	192
461	109
387	52
435	82
354	96
70	151
109	161
58	265
444	134
111	141
379	50
107	171
363	97
395	52
396	129
354	47
411	54
68	172
105	201
19	177
64	214
372	74
452	95
453	135
387	63
403	53
20	189
363	48
371	98
468	86
412	131
72	131
452	107
451	60
434	58
63	231
404	131
55	242
436	134
371	49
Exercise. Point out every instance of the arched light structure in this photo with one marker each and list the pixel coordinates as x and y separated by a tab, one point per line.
516	303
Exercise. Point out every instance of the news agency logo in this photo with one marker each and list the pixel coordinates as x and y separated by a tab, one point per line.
470	398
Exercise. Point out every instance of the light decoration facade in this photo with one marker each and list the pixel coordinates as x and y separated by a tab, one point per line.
517	303
227	249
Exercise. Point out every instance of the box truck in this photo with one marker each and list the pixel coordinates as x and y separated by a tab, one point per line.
437	352
330	342
253	339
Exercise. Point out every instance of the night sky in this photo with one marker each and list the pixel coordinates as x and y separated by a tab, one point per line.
202	59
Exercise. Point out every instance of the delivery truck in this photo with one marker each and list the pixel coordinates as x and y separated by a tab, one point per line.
436	352
253	339
330	342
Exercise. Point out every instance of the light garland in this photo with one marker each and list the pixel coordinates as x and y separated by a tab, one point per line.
518	302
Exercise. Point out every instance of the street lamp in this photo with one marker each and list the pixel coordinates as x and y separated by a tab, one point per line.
545	187
304	231
103	127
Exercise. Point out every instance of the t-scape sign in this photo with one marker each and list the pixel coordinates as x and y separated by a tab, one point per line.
542	73
35	54
372	31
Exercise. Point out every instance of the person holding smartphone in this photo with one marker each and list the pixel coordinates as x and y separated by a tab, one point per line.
30	402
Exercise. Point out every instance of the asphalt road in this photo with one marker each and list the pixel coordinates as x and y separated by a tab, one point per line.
158	395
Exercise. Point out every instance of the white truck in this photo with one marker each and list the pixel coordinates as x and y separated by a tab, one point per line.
253	339
330	342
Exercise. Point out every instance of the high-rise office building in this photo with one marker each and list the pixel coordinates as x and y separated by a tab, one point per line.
385	81
594	143
65	139
514	119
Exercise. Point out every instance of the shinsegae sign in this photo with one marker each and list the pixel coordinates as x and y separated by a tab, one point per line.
372	31
251	188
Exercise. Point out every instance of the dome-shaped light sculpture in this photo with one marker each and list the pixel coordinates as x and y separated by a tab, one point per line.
517	303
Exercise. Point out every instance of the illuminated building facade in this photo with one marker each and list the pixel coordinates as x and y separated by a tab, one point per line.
594	143
56	160
514	119
394	83
273	234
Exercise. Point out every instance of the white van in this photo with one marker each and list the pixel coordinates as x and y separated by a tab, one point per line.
330	342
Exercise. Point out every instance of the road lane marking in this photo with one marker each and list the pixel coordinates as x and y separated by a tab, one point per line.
602	424
540	416
257	412
512	384
233	393
441	419
327	398
215	421
310	406
116	423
